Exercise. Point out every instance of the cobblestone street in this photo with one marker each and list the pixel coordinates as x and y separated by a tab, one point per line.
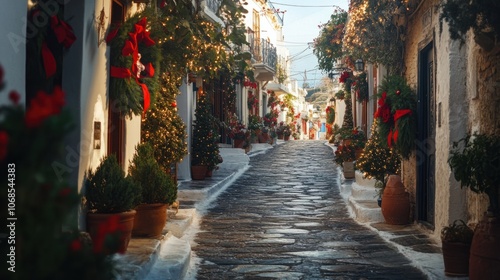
285	219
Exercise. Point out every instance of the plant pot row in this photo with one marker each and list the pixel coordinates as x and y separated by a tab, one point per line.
125	206
146	221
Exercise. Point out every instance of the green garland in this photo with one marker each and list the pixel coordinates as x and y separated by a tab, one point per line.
396	115
126	93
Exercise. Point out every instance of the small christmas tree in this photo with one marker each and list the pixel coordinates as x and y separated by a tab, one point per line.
205	150
164	129
377	160
348	119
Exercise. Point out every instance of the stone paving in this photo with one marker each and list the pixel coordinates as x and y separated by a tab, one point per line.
284	218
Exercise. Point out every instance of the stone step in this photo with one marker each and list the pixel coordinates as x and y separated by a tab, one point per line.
366	210
363	192
173	259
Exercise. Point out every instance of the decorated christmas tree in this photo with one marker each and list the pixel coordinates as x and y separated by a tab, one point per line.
204	150
377	159
164	129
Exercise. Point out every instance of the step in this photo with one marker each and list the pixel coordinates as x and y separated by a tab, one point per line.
173	259
179	222
140	257
366	211
363	192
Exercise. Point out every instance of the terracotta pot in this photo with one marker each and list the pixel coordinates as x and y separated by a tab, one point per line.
286	137
280	136
150	220
264	137
238	143
125	223
396	206
209	173
484	262
198	172
456	258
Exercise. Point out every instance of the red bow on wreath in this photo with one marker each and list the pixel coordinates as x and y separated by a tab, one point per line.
131	47
392	137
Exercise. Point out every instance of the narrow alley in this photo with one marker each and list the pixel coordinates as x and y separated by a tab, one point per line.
284	218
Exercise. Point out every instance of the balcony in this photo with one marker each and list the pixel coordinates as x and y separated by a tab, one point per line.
210	9
264	57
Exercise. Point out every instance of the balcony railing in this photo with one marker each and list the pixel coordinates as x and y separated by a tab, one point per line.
262	51
269	56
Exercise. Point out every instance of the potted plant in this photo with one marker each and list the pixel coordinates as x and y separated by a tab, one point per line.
203	142
109	193
158	191
456	240
280	129
287	131
255	125
476	164
238	134
344	156
264	135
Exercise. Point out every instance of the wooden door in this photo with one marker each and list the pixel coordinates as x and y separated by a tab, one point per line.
426	137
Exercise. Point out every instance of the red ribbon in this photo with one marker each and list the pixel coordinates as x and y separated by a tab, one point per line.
49	62
120	72
64	35
63	31
393	136
112	34
401	113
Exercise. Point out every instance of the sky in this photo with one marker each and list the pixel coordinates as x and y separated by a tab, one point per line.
300	26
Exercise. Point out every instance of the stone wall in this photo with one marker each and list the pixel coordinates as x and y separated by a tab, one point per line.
420	32
484	97
466	90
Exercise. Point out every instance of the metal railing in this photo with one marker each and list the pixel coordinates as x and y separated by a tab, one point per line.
262	51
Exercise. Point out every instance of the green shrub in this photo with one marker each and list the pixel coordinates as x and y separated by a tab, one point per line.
457	232
156	185
108	190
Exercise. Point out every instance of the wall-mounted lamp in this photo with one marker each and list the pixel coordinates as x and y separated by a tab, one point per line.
97	135
359	64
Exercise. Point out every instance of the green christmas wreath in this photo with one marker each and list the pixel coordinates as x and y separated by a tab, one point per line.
396	115
135	64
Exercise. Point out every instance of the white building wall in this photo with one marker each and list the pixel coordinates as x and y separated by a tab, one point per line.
13	48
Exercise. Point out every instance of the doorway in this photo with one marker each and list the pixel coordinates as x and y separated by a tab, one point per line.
426	110
116	120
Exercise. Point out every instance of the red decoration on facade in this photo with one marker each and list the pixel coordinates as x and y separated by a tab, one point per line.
131	47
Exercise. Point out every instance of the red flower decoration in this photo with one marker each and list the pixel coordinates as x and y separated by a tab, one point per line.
76	245
174	104
44	106
4	141
344	76
14	97
398	92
